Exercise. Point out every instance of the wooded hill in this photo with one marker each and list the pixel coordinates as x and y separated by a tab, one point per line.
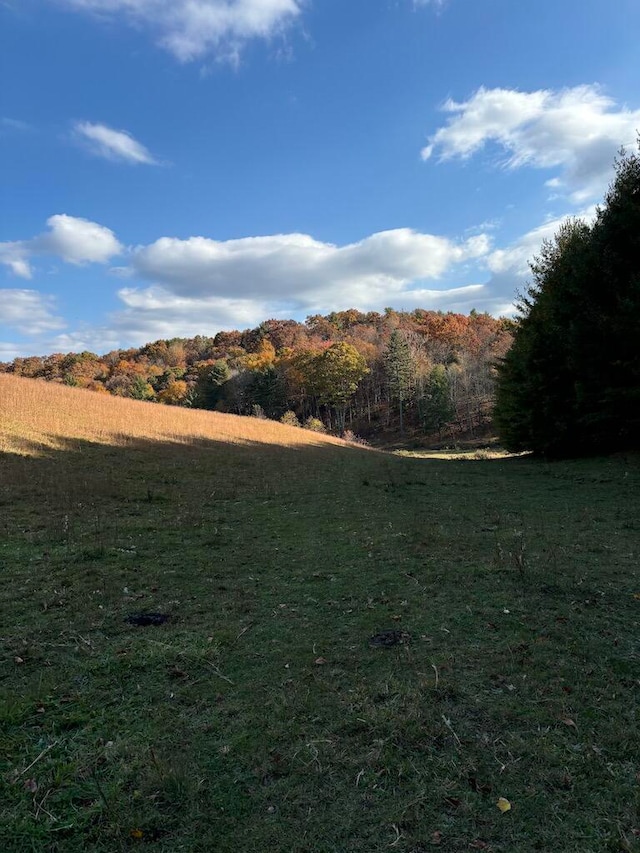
379	375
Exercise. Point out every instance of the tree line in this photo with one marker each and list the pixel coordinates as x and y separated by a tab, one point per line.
391	373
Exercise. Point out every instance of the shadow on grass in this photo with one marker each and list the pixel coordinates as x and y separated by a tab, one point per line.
260	717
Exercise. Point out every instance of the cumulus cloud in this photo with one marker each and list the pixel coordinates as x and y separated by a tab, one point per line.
175	287
576	130
202	285
117	145
299	269
77	241
191	29
74	240
28	311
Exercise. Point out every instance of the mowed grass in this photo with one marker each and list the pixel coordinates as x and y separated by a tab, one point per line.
260	718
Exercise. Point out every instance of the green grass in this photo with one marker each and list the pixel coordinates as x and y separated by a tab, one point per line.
260	718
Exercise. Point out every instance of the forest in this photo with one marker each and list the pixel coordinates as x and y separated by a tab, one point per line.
380	376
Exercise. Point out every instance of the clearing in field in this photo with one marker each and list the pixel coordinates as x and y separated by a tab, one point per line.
364	652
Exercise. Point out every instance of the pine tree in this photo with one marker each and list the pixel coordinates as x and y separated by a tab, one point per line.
399	370
570	385
439	408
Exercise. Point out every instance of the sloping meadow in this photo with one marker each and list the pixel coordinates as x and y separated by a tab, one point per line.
357	651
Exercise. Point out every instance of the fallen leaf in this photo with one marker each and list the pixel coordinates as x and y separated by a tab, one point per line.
320	661
136	833
18	660
503	805
436	838
569	722
31	785
636	595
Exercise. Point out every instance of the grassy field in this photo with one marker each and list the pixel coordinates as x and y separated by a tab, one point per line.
261	717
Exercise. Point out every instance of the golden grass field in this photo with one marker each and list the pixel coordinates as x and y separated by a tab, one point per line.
35	415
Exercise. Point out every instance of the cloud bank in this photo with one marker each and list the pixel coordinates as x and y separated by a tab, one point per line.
199	285
203	285
576	131
193	29
299	268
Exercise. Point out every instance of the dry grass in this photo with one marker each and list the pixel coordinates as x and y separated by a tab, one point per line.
474	454
38	415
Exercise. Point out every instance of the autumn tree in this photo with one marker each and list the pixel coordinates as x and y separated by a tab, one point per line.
175	394
337	372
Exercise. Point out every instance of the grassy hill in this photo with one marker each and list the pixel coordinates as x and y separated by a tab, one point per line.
261	716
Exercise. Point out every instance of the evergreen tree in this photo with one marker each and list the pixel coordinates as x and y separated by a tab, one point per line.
399	370
570	384
268	390
439	408
209	386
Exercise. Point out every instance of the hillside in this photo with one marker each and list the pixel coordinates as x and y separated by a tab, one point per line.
363	652
35	414
348	368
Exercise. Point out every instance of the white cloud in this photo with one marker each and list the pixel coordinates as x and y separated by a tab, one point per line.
15	256
514	260
118	145
299	269
9	351
156	312
28	311
577	130
509	266
199	285
191	29
77	241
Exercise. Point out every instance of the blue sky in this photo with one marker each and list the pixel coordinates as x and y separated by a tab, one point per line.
176	168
